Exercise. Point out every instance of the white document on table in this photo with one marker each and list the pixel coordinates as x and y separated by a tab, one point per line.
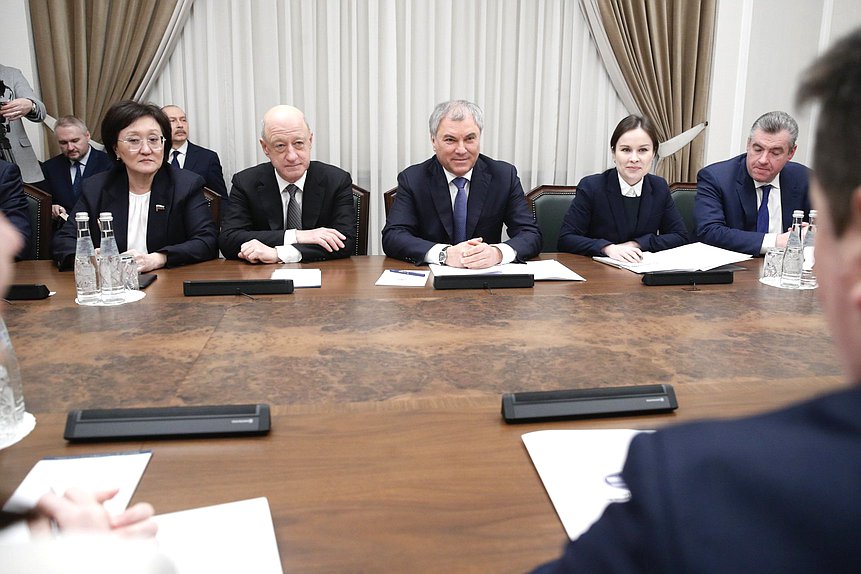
579	469
300	277
91	473
402	278
690	257
225	538
541	270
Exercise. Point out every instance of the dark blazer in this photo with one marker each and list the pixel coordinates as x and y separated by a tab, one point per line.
205	163
725	204
597	217
180	223
774	493
58	179
422	214
254	210
13	202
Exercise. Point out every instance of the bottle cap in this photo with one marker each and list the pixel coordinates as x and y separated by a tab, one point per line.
796	213
106	216
82	216
812	213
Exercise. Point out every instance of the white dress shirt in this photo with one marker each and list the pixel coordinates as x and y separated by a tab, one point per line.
183	151
138	220
287	253
775	215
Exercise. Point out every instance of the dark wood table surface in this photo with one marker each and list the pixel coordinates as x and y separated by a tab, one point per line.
387	451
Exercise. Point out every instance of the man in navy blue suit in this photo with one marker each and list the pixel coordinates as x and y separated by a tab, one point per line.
745	203
451	208
186	155
777	492
78	160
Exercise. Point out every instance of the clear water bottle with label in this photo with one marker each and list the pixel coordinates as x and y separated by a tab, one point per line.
11	397
793	256
110	266
808	279
86	284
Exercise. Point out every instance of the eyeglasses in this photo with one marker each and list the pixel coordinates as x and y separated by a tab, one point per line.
155	143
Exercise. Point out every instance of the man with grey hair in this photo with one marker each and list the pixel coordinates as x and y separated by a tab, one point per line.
745	203
288	209
78	160
450	209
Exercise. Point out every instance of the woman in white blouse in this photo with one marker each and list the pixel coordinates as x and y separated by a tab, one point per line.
160	214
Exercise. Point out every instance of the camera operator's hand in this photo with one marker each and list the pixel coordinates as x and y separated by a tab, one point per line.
16	109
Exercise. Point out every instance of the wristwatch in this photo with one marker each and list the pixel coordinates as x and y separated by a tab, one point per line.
443	255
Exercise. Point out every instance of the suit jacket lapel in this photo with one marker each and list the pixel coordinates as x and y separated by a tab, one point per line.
441	198
270	198
191	157
116	200
647	201
312	199
746	190
157	224
479	188
617	204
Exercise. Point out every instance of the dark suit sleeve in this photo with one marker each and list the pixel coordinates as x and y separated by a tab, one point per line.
401	234
13	203
575	226
710	217
237	221
215	176
672	230
337	212
198	240
524	234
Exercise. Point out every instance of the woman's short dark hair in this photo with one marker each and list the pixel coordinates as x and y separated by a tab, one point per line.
633	122
123	114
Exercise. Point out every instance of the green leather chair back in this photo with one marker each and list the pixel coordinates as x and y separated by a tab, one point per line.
683	196
548	204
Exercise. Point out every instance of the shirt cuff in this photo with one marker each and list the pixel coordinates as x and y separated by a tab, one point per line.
432	256
288	254
508	252
768	242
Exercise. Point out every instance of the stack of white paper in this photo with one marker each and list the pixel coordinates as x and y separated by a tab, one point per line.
690	257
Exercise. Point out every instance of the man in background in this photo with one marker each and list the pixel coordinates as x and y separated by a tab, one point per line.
745	204
451	208
77	160
290	208
186	155
777	492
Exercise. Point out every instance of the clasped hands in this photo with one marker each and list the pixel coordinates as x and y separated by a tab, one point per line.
473	254
255	251
629	252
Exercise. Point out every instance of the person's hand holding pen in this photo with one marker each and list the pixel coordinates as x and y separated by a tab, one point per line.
77	511
629	252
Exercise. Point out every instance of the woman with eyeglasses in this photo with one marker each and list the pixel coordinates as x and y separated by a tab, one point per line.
626	210
160	213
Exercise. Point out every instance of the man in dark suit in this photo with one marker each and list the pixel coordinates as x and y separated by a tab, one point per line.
13	203
290	208
186	155
776	492
729	208
19	101
78	160
450	209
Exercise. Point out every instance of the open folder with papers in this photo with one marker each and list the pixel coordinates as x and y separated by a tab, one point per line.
691	257
546	270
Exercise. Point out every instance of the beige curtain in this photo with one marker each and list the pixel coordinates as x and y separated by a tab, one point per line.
664	49
92	53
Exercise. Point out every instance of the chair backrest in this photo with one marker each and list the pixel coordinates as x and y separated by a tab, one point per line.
683	196
389	199
548	204
361	203
214	201
39	212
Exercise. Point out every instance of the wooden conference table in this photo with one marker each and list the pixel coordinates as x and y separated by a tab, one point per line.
387	451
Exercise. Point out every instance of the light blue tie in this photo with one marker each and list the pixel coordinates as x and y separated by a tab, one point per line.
460	210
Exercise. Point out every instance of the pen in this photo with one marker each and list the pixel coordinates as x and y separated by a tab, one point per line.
402	272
